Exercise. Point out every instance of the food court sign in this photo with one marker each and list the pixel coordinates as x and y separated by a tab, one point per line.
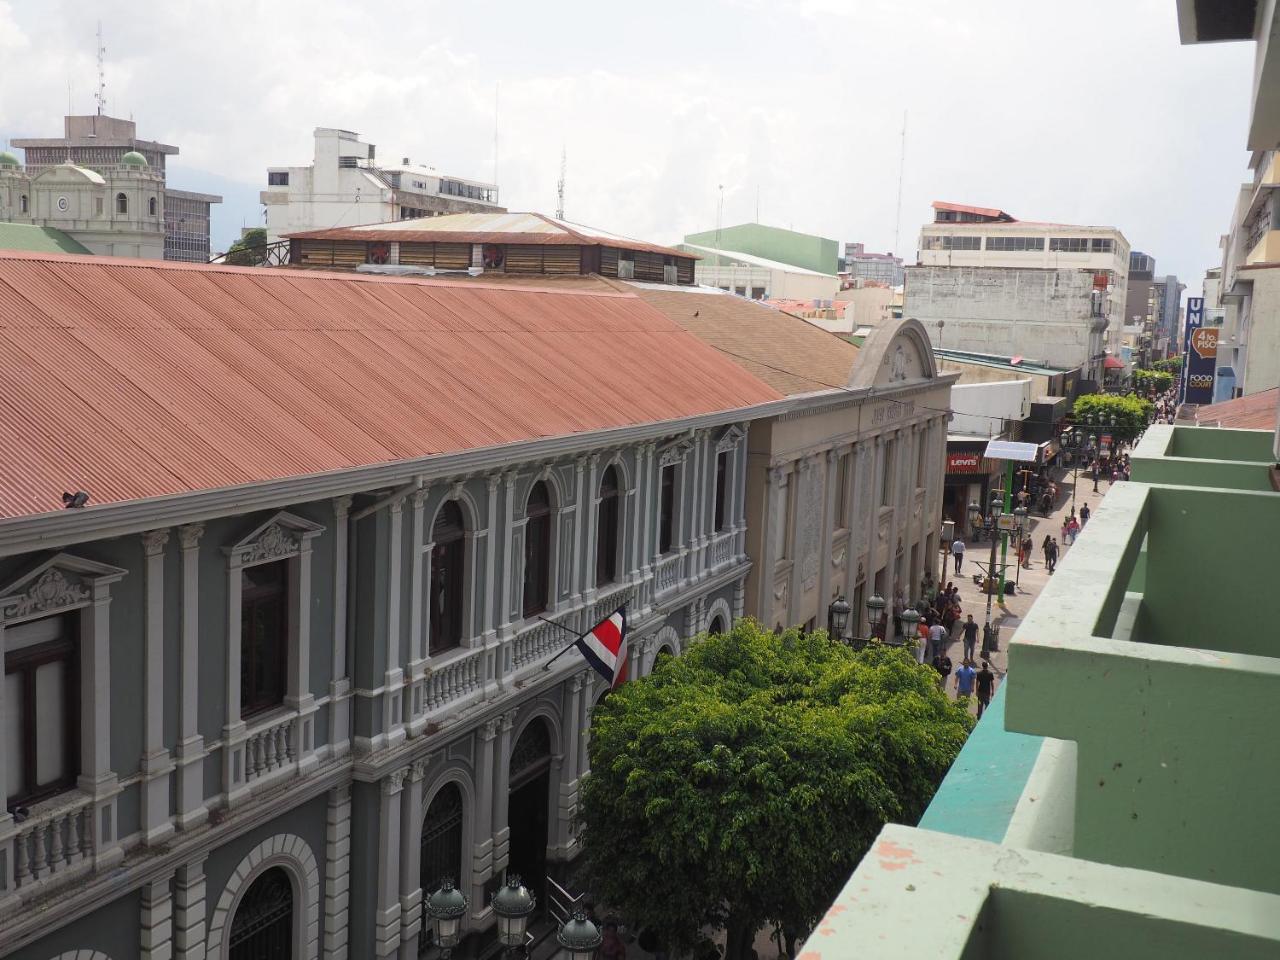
1201	350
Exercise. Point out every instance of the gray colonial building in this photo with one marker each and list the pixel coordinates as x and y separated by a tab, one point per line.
287	668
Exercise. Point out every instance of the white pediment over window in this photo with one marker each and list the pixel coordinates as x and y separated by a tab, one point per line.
279	537
60	583
730	439
674	452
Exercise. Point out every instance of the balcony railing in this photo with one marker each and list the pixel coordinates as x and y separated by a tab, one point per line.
269	748
722	548
670	572
55	839
452	679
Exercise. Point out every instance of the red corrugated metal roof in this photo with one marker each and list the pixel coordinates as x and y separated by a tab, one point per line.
1113	363
134	379
1257	411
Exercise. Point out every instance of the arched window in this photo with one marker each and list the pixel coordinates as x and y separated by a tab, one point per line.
448	558
122	203
441	849
22	203
717	625
537	550
607	528
151	206
531	754
263	925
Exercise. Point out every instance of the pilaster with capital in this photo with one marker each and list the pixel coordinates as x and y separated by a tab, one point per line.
189	912
411	892
156	763
191	811
502	792
337	871
340	683
393	680
415	706
483	828
387	917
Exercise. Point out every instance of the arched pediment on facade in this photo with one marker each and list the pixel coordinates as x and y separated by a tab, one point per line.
894	353
294	855
62	582
67	173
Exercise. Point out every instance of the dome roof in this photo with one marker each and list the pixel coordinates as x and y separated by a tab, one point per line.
7	159
133	159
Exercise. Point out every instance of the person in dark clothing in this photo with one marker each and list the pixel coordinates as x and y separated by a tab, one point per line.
986	681
942	663
970	629
1053	555
1084	515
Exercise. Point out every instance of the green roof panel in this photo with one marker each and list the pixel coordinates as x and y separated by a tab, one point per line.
33	239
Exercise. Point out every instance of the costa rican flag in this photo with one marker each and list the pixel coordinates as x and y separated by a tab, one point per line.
605	647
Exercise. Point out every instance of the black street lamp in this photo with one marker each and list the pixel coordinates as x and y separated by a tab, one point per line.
838	617
513	904
446	907
839	611
875	615
580	937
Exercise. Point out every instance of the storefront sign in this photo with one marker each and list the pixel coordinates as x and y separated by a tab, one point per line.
1200	351
967	463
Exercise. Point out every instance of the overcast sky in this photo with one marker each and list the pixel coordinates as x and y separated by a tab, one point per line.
1083	112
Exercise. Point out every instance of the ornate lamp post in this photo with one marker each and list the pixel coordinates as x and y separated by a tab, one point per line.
997	508
875	614
513	904
446	907
1021	514
838	618
910	626
579	936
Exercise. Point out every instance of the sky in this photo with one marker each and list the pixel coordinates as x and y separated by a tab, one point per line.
1083	112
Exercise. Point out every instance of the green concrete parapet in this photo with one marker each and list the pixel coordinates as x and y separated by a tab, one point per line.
1204	457
1168	683
922	894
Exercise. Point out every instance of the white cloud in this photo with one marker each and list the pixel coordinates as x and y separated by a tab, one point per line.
1089	112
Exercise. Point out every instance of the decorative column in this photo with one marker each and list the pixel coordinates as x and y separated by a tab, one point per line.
589	524
488	598
577	576
340	684
635	543
387	917
411	891
586	705
189	912
508	561
772	505
393	681
96	776
299	696
567	800
648	522
337	871
156	763
419	625
502	793
482	829
191	809
157	921
825	531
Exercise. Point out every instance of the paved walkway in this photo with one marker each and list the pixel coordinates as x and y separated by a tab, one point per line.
1030	581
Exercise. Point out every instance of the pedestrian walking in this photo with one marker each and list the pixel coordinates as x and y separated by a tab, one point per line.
1051	560
1028	546
957	552
986	681
1084	515
937	640
964	679
1045	547
942	663
989	642
1066	532
1093	472
970	638
1073	527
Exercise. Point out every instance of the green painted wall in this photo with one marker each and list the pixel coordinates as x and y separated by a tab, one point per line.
773	243
1210	444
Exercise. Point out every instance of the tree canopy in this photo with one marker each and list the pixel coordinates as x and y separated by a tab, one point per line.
1152	380
1171	365
741	783
1129	413
250	250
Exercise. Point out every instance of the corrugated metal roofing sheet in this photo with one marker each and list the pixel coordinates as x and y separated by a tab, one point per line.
134	379
36	239
534	229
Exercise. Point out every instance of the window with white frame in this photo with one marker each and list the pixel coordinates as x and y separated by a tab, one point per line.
41	725
886	474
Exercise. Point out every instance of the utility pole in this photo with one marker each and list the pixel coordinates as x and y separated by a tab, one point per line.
560	185
902	165
102	76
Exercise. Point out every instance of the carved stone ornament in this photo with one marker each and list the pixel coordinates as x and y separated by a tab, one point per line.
189	535
52	590
273	543
153	541
840	557
811	491
780	593
420	768
489	729
393	783
730	439
674	453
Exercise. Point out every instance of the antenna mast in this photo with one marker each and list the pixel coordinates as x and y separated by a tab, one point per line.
902	163
101	96
560	185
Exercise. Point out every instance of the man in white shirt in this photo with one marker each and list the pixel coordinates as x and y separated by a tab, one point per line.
937	640
957	552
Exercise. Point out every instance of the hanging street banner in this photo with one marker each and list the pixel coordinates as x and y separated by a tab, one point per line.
1200	355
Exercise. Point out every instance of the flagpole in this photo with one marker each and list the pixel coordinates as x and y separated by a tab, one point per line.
568	647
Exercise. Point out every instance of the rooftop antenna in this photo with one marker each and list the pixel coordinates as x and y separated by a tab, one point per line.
497	87
101	96
719	215
902	163
560	185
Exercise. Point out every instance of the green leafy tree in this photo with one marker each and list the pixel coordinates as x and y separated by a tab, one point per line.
250	250
1127	415
1152	380
1171	365
741	783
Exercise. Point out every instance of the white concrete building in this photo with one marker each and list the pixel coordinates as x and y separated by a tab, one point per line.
759	278
989	409
345	186
966	236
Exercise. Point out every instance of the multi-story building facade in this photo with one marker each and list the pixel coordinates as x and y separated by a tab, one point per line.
101	144
289	667
1043	315
882	268
967	236
1152	307
345	185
